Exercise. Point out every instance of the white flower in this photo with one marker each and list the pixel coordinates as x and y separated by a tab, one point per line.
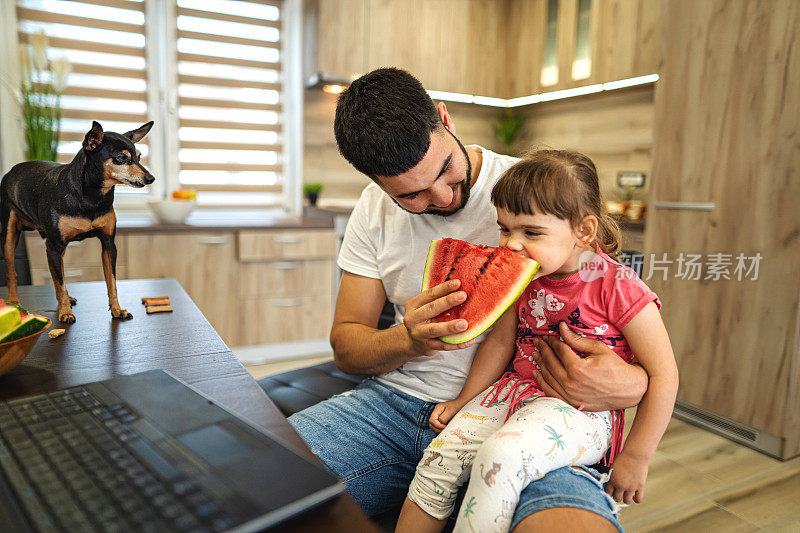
39	44
61	69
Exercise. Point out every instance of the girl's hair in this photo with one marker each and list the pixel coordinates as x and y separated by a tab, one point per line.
560	183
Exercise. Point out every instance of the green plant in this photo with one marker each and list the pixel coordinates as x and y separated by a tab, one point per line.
42	83
312	188
508	127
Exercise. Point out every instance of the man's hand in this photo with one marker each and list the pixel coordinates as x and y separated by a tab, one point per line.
626	484
423	332
600	382
444	413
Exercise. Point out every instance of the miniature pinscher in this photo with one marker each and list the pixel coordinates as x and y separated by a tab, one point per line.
71	202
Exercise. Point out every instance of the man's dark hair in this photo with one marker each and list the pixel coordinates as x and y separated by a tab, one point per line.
384	122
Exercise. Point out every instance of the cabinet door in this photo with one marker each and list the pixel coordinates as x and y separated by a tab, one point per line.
450	45
41	276
85	253
341	30
272	320
203	263
726	135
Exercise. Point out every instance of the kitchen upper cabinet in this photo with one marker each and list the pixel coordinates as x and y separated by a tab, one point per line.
724	182
594	41
625	39
336	37
489	48
526	34
450	45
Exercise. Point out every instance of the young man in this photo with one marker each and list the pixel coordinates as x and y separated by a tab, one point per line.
426	186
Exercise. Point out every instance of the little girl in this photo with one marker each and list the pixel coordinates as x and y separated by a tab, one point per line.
549	209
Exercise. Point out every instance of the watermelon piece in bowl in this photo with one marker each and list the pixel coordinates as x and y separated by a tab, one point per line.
493	279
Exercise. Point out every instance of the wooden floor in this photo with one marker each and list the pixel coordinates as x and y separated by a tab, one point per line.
260	371
698	482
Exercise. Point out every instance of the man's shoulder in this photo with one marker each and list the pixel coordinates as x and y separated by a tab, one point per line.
371	201
493	165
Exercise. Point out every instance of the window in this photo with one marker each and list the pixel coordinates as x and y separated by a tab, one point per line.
209	72
228	59
105	45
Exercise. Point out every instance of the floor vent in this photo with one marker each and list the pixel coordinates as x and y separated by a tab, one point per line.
736	431
725	425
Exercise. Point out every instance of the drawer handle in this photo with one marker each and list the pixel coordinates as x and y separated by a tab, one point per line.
290	239
67	274
213	240
289	302
286	265
685	206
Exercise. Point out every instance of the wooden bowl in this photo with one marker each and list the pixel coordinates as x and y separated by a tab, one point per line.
13	352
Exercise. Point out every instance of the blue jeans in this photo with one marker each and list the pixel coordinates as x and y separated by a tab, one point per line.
373	437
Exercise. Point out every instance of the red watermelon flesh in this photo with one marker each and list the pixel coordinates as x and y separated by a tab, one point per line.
493	279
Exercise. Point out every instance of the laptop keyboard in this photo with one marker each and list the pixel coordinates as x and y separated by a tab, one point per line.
76	464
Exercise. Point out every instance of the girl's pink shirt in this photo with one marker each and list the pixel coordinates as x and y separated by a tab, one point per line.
597	302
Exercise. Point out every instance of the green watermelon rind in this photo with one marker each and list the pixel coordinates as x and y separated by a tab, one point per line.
30	324
474	330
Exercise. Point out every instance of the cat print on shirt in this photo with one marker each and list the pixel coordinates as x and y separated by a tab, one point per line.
490	474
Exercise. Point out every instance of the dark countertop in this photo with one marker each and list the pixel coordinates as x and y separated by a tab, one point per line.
183	343
630	225
231	220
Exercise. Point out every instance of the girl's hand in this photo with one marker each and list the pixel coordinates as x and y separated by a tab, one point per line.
627	479
443	413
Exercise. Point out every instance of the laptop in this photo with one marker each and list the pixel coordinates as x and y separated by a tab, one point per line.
145	452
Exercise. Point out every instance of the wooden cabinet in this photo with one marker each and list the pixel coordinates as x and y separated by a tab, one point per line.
280	244
203	263
488	48
82	260
285	285
253	286
625	39
335	32
450	45
725	179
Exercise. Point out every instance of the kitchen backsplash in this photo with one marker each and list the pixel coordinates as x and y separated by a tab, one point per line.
615	129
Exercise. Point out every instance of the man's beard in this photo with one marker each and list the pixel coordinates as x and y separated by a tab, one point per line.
463	186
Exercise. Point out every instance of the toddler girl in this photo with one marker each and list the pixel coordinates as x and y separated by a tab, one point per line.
549	209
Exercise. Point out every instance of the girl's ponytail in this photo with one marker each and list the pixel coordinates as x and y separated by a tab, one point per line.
608	234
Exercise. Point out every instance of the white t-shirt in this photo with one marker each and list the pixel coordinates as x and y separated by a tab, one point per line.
384	242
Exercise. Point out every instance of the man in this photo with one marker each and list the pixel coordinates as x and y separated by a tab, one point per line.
426	186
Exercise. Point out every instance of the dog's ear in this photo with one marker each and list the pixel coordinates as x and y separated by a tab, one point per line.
137	134
94	137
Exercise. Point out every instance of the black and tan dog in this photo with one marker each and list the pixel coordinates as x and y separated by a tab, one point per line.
71	202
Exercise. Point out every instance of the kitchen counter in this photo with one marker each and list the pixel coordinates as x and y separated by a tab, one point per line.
230	220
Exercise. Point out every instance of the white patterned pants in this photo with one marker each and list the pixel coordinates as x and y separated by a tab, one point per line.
544	434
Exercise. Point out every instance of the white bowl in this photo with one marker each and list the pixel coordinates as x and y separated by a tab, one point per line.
172	211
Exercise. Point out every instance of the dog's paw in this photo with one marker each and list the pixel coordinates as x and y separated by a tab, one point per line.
72	301
66	318
121	314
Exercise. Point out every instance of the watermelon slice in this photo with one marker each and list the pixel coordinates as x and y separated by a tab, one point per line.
30	324
9	318
493	279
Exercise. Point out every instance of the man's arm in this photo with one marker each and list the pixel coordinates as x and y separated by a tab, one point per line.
600	382
360	348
